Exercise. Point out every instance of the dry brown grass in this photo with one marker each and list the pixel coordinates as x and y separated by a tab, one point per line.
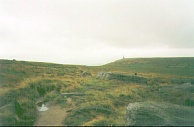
95	120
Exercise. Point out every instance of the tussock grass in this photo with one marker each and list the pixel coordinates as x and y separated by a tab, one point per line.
104	101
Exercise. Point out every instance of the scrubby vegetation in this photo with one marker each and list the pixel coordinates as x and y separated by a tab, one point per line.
99	95
23	101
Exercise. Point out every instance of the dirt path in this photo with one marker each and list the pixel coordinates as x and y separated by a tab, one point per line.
55	115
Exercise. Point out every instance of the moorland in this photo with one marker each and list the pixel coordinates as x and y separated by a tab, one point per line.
130	91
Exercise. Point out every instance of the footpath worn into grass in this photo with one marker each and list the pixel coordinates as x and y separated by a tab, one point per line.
94	95
55	115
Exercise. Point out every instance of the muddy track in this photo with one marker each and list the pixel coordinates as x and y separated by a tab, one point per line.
54	116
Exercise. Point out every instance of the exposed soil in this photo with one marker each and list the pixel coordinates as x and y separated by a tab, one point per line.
55	115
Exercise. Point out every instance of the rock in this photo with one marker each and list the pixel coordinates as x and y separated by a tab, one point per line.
86	74
158	113
185	87
121	77
103	75
8	114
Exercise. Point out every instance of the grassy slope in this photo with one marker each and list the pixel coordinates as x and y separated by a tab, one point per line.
182	66
105	101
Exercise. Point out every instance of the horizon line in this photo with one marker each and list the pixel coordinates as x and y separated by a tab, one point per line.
94	65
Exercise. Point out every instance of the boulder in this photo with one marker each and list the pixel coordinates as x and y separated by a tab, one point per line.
86	74
103	75
159	114
121	77
8	114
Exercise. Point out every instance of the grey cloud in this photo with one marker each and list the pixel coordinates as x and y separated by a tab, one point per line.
69	26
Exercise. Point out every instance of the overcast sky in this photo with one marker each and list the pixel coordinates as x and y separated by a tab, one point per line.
95	32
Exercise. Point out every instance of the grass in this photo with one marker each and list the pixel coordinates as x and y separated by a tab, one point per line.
182	66
104	101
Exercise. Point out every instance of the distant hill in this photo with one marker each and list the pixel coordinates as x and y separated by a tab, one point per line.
182	66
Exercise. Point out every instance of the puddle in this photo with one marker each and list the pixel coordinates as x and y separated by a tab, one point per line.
43	107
